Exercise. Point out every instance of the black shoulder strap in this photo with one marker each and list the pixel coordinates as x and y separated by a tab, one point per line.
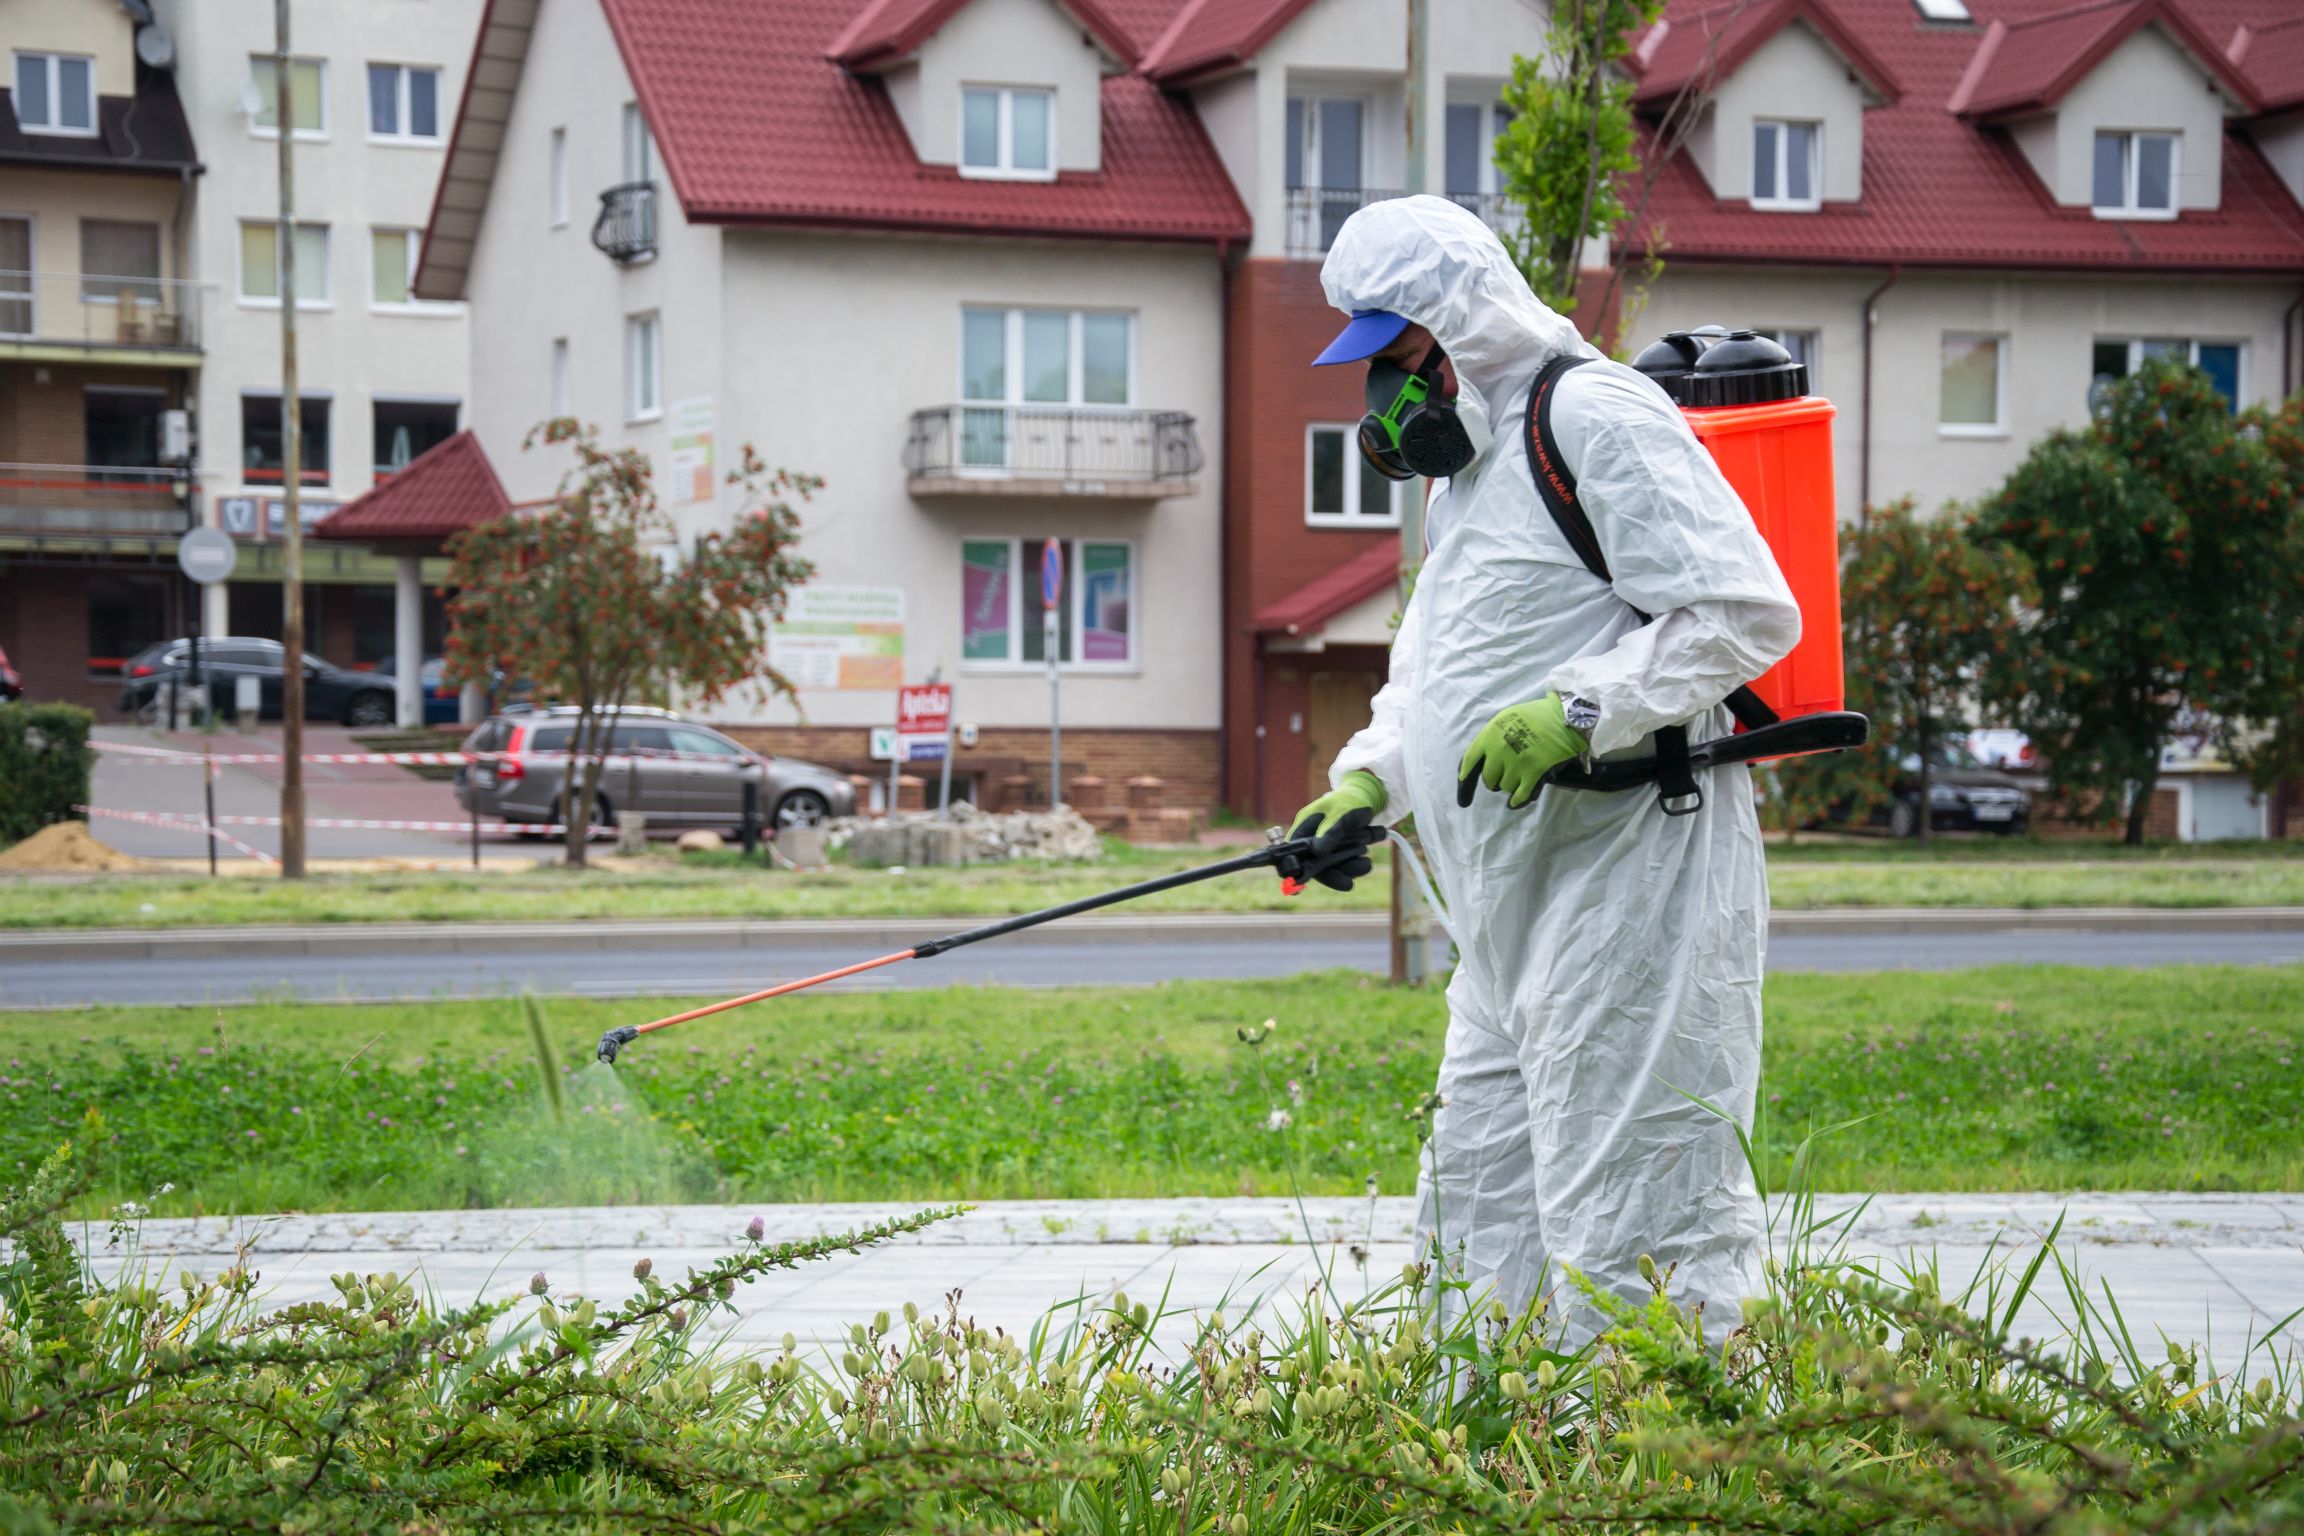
1555	481
1556	487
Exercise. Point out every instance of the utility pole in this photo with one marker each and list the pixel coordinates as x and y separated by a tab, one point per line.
291	477
1409	921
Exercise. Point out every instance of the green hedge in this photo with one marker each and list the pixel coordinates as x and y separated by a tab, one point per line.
45	762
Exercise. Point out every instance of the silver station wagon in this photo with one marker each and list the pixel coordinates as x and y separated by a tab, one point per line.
703	786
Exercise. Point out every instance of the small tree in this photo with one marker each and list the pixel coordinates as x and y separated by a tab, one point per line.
1570	143
1927	614
590	601
2165	542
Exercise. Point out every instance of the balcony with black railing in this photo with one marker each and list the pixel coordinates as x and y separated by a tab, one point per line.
153	321
626	227
1052	450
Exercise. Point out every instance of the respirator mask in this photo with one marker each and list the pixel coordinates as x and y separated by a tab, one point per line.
1411	429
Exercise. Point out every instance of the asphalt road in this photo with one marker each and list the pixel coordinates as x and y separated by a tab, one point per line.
614	970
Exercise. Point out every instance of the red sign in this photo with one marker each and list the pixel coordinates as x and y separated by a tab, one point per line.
925	710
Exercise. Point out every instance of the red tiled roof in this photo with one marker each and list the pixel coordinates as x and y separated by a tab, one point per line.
758	126
1942	191
1209	35
2271	56
1321	599
2028	65
1704	47
886	30
443	491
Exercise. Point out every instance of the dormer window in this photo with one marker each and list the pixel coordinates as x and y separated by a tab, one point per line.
2135	176
56	93
1008	131
1785	173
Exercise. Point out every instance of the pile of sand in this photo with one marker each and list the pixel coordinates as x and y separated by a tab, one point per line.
65	846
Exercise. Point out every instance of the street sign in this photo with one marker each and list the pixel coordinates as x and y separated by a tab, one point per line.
1052	574
924	721
207	555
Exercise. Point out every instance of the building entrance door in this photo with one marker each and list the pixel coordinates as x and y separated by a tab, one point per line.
1338	709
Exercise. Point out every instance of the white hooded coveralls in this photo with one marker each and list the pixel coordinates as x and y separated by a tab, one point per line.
1609	955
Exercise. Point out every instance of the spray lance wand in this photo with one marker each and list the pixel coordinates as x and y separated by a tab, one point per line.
1298	860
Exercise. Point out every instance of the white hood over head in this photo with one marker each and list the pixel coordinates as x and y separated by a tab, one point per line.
1433	262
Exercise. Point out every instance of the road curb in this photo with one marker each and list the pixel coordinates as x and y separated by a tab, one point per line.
257	941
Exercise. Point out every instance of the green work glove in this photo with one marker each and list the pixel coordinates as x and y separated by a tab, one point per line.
1515	750
1339	822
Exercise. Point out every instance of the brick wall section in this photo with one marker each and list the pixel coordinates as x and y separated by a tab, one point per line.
2160	823
44	630
47	423
1187	760
1276	322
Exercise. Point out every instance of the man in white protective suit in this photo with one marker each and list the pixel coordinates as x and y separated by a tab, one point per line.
1610	953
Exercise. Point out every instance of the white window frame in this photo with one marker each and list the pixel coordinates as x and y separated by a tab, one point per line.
556	179
1354	467
257	94
402	114
559	377
1012	359
2192	346
2130	165
1024	583
1782	203
1998	426
1004	133
1493	115
414	239
637	144
247	300
56	129
29	294
635	408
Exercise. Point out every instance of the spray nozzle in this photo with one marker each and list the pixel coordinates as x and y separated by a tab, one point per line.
615	1040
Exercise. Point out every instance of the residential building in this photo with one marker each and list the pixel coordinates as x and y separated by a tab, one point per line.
100	338
1968	215
1306	104
383	375
959	259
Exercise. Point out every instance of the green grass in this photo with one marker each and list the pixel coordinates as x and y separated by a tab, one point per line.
2014	1078
1845	872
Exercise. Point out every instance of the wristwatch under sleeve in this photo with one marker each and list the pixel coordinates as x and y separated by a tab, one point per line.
1582	713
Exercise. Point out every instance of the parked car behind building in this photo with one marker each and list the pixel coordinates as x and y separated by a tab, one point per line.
330	692
1963	796
702	787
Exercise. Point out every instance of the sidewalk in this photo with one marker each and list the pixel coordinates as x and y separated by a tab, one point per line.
2212	1269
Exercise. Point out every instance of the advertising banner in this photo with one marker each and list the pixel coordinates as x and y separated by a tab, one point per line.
688	475
841	637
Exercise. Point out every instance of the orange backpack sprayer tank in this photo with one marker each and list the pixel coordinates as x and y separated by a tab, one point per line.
1748	403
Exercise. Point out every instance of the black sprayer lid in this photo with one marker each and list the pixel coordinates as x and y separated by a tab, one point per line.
1671	359
1743	368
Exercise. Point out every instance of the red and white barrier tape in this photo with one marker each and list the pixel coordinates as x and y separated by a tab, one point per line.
174	758
178	819
340	823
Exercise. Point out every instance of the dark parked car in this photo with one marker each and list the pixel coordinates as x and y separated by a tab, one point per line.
11	682
1964	796
703	787
330	692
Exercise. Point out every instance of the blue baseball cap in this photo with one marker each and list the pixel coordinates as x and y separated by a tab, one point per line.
1370	332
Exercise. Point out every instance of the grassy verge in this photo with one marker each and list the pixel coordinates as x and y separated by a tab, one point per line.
1847	873
2015	1078
137	1406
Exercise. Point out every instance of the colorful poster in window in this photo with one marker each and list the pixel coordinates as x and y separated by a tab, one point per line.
1104	601
841	637
690	466
986	582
